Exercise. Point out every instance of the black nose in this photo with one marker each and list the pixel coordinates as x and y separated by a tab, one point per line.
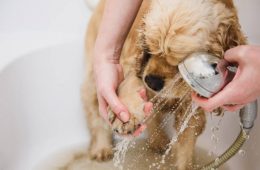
154	82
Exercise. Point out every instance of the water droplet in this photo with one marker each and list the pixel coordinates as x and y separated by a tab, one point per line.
163	161
242	152
215	139
210	153
215	129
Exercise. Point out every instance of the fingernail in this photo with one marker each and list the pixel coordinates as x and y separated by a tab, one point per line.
124	116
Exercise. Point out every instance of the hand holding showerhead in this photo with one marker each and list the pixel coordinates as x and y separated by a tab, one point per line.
244	88
207	75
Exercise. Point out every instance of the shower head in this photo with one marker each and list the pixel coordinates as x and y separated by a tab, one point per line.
205	73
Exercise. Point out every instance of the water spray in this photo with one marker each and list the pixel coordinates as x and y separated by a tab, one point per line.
207	75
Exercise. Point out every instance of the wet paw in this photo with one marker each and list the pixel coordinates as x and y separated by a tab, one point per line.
121	128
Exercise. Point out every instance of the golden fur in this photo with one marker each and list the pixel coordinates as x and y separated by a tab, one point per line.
163	34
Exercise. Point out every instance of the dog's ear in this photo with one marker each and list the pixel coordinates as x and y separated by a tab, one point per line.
233	37
228	3
228	35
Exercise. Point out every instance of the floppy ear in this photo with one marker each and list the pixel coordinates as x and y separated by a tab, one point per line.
228	3
233	37
228	35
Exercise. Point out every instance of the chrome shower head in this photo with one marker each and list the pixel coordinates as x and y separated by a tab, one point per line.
205	73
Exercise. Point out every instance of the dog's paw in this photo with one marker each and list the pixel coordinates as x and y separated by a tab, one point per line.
132	94
100	152
121	128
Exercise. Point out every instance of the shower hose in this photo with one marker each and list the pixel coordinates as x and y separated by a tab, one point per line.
230	152
247	117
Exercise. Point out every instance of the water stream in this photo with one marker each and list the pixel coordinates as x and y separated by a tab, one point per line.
159	101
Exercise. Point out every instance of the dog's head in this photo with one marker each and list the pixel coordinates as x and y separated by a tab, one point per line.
171	30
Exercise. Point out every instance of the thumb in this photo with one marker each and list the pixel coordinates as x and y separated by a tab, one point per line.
236	54
117	107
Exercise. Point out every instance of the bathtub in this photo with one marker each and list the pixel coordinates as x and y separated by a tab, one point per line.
41	113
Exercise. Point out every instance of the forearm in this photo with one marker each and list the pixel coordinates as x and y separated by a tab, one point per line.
117	20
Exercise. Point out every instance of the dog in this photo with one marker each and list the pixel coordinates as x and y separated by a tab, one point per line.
162	35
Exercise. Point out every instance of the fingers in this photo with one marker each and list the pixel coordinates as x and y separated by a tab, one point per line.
139	130
204	103
226	96
233	108
148	108
117	107
236	55
143	95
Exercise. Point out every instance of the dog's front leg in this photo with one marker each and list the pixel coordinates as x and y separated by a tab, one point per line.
184	149
129	94
187	139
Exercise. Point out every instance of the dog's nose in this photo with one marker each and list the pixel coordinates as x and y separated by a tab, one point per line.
154	82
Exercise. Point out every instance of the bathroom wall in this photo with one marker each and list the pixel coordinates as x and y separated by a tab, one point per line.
27	25
249	17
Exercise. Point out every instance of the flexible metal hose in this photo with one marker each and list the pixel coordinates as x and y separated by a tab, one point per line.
230	152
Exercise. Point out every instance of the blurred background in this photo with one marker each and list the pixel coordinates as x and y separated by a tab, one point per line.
41	50
27	25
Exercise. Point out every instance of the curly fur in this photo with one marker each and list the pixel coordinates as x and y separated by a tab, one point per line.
163	34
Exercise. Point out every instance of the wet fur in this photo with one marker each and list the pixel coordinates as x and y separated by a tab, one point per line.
163	34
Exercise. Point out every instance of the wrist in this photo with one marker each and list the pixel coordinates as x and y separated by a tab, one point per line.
107	55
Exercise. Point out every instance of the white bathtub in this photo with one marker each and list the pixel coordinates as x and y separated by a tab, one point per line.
40	108
41	112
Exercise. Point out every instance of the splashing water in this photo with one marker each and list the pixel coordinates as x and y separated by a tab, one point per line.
215	137
120	152
159	101
191	112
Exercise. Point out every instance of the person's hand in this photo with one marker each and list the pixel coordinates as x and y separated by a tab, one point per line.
108	75
244	88
148	106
